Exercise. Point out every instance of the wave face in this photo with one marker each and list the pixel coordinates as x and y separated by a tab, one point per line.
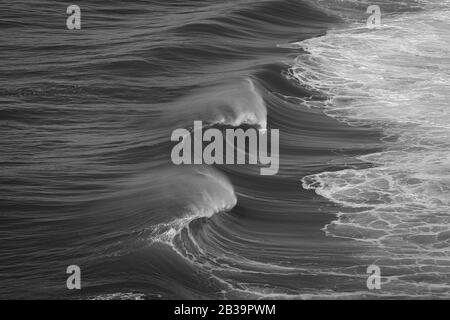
395	78
86	176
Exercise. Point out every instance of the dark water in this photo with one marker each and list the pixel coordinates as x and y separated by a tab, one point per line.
86	176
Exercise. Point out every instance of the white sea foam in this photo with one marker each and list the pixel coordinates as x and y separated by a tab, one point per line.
396	78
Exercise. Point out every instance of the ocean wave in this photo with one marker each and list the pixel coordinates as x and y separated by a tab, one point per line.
202	192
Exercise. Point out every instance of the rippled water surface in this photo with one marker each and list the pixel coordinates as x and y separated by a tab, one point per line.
86	176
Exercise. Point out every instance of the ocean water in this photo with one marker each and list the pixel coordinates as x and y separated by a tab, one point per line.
85	171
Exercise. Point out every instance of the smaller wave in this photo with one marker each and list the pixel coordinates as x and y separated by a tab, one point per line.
214	194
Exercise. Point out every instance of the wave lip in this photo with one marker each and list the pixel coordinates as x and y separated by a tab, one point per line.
232	103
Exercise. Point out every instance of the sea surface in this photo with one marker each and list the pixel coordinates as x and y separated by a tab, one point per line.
86	176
